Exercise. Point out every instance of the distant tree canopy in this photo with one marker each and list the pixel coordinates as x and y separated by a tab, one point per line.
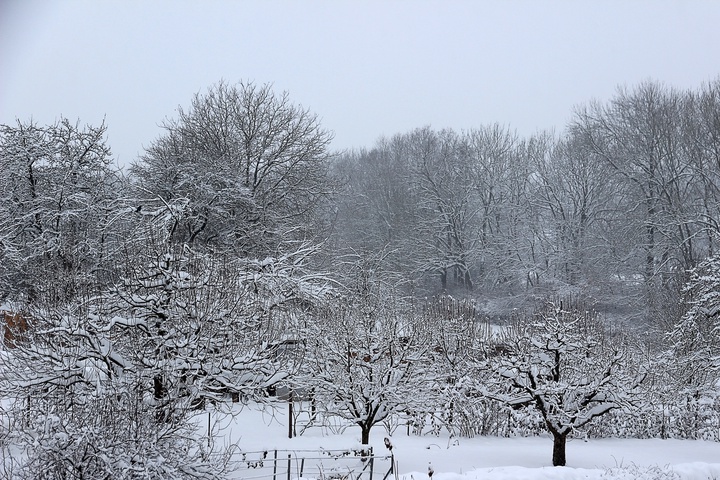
623	201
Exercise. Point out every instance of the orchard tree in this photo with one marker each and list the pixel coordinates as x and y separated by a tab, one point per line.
251	165
453	343
562	364
365	355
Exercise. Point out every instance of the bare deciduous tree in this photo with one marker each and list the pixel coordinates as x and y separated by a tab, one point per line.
252	166
56	196
365	359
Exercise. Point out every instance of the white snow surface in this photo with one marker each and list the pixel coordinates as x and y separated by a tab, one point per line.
493	458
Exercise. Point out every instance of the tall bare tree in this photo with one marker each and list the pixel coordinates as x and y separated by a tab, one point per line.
639	135
251	164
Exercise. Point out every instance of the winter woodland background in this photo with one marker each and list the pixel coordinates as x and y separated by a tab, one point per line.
474	282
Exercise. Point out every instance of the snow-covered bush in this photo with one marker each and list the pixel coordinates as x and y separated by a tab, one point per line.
82	410
111	435
691	365
695	339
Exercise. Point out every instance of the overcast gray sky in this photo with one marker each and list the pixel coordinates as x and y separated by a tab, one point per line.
367	68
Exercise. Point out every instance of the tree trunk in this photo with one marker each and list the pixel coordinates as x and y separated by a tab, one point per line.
559	441
365	437
159	392
158	387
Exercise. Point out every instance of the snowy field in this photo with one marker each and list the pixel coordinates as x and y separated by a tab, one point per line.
483	457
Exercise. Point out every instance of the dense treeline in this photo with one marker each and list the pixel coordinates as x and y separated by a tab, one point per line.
619	206
498	275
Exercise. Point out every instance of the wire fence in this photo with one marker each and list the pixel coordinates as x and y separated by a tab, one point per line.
348	464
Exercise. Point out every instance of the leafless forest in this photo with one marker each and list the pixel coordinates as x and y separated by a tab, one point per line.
564	282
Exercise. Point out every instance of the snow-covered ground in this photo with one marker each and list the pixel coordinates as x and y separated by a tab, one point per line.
484	457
